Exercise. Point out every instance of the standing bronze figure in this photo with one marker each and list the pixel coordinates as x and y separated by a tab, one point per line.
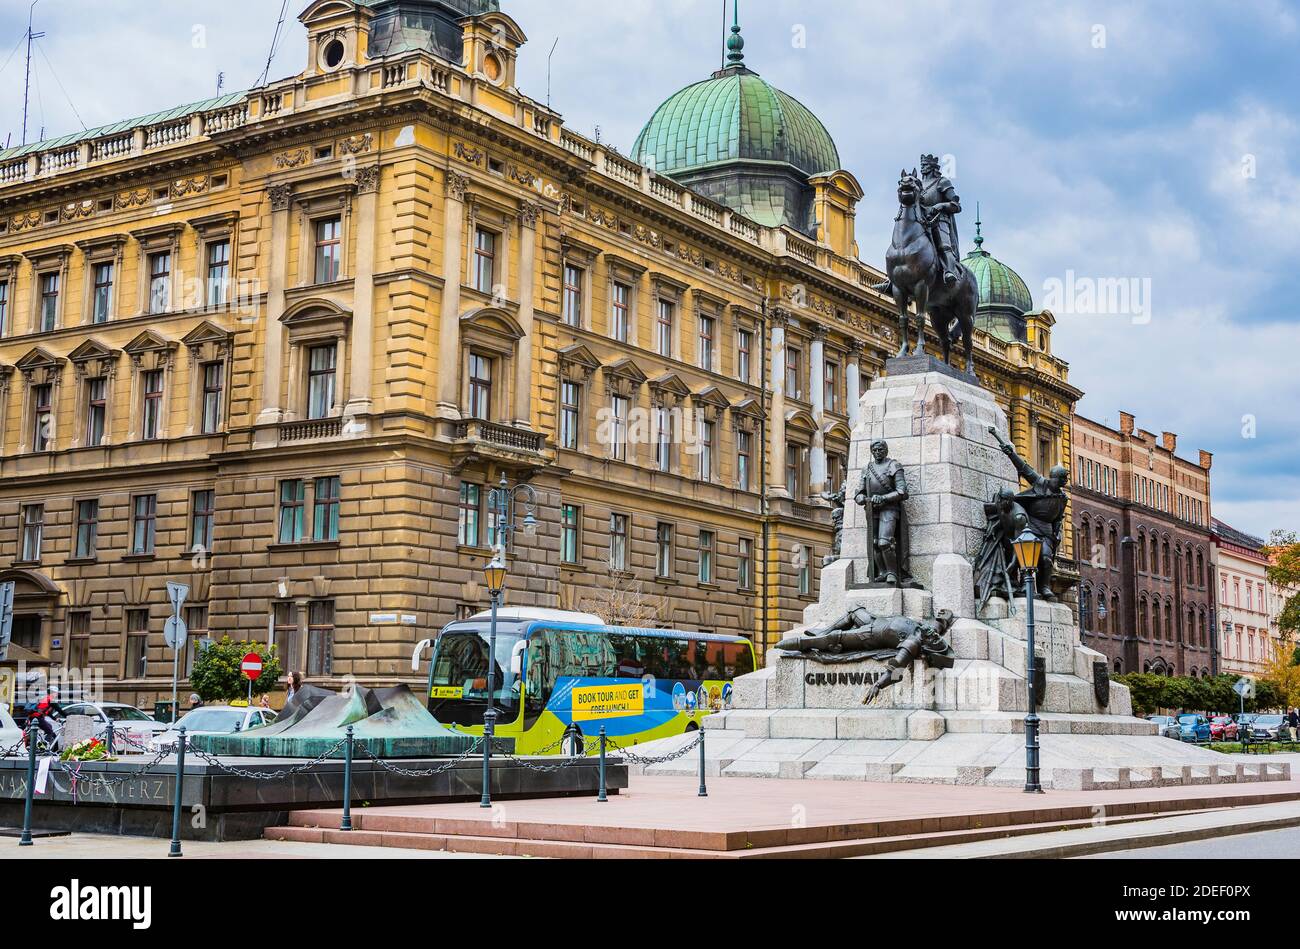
996	570
1043	503
882	493
924	267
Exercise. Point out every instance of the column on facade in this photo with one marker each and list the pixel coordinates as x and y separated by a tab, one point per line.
272	411
817	456
359	402
854	382
529	213
453	223
777	447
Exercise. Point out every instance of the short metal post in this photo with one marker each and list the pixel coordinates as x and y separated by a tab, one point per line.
1032	770
347	782
26	839
175	850
704	791
601	797
109	738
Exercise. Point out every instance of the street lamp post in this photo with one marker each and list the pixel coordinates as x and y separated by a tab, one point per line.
1029	550
501	502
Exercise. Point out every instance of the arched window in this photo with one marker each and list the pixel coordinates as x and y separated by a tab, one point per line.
1119	667
1085	609
1085	540
1200	568
1169	622
1168	564
1189	631
1155	553
1112	548
1142	629
1114	614
1142	551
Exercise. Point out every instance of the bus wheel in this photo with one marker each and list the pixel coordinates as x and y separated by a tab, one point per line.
692	726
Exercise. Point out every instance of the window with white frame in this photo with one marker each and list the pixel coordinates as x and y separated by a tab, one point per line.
744	355
621	312
618	530
214	375
485	260
144	523
570	414
42	417
664	551
708	540
102	292
480	385
707	449
152	383
620	411
571	309
96	410
328	249
160	281
50	287
665	437
744	459
665	322
708	340
33	529
86	543
322	379
217	287
570	533
745	564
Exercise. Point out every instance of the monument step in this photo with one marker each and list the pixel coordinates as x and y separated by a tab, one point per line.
814	841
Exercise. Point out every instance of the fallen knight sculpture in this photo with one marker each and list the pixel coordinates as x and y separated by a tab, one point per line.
897	640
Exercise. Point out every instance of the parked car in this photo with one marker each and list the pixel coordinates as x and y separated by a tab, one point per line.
1264	727
1223	728
1167	725
10	733
212	720
132	728
1193	728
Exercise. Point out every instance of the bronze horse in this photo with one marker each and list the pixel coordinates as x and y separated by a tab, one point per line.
916	276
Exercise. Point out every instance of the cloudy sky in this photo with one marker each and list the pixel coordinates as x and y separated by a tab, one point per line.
1157	146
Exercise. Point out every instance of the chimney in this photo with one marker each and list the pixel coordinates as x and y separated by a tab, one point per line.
1126	423
1170	441
1207	459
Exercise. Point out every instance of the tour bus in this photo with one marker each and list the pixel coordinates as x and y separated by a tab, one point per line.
557	668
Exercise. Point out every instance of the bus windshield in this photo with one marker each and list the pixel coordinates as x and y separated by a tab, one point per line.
460	670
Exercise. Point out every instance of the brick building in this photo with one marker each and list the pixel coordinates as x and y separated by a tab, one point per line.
1142	525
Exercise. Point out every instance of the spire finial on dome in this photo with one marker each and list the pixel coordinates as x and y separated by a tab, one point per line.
979	236
736	42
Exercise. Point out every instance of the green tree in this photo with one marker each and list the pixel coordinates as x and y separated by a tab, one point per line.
1283	551
217	676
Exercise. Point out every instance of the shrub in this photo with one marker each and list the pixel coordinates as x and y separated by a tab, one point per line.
217	676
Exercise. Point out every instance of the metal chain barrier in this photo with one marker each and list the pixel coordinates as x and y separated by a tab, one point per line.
20	746
423	773
645	759
265	775
77	778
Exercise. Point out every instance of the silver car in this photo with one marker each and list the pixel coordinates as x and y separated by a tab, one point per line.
212	720
1167	725
132	728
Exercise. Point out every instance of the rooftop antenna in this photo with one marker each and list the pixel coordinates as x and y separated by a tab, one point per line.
548	72
27	81
221	82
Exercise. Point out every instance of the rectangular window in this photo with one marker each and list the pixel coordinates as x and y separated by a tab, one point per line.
33	517
320	638
160	282
570	414
325	509
621	316
620	409
79	640
87	529
218	287
42	417
285	619
485	260
467	532
834	472
707	331
322	372
571	533
49	301
664	551
744	459
96	410
664	328
196	620
4	307
664	439
572	309
102	301
792	359
745	564
805	571
793	469
153	396
831	387
329	249
744	355
706	556
618	542
144	518
707	449
202	512
137	644
214	374
293	502
480	386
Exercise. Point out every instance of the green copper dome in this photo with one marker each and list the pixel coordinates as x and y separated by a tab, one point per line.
734	116
999	284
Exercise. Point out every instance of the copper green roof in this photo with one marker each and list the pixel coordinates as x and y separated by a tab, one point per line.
177	112
999	285
734	116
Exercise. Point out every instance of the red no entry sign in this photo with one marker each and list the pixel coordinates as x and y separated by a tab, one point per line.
252	665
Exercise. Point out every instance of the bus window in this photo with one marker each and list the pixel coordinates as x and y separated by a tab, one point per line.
631	656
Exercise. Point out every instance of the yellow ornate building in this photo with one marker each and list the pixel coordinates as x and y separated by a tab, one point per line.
279	345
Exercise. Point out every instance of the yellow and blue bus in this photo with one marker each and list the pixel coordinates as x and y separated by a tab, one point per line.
555	669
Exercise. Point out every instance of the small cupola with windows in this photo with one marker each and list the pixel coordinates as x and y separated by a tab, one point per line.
338	35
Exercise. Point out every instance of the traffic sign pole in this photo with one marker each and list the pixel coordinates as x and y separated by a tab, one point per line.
252	668
177	635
